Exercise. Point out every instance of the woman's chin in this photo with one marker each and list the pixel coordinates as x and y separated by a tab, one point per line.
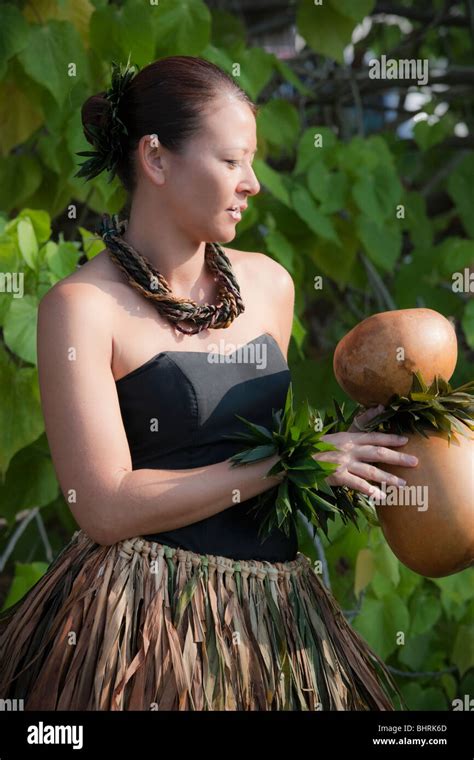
227	232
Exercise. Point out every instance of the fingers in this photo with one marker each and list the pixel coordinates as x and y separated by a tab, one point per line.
381	439
374	473
382	454
369	413
358	484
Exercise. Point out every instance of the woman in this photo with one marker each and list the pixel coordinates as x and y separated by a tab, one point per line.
165	598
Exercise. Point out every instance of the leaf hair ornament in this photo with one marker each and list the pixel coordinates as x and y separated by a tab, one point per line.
108	137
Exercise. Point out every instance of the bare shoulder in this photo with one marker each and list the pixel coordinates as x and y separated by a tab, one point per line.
77	311
273	288
94	283
261	266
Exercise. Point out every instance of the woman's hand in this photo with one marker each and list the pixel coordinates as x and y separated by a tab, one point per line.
356	448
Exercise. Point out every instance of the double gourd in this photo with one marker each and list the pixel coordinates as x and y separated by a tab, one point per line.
375	361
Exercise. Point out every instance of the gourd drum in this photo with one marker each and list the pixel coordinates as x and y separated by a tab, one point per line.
429	523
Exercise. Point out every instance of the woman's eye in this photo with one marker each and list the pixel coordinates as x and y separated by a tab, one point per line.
232	162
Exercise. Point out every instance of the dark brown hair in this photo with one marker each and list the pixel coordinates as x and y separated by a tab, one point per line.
166	98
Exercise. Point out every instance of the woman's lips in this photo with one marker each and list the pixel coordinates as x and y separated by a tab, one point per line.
235	214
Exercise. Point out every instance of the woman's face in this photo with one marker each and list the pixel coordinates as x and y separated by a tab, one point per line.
214	172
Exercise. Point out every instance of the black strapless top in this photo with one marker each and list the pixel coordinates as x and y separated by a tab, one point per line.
176	408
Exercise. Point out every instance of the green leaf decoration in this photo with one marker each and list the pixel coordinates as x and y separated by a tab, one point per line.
438	407
304	489
107	139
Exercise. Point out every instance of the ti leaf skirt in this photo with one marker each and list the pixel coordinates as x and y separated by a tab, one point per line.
142	626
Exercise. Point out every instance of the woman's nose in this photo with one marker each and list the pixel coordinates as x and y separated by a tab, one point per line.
251	183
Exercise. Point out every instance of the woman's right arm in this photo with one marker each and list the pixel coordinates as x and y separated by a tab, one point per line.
87	440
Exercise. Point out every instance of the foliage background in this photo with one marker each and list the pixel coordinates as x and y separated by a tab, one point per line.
328	211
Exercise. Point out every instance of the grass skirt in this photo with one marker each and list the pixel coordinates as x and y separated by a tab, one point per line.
143	626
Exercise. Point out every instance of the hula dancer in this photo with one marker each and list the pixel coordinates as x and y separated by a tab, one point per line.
166	597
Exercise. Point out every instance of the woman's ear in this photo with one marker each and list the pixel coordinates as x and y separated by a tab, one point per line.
151	158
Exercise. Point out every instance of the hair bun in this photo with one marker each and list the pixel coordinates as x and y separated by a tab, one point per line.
103	127
96	111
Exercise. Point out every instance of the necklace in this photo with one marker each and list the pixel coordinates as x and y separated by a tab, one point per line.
152	285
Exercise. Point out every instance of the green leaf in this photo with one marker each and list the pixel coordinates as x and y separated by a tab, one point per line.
256	453
468	323
450	685
416	650
130	29
314	146
276	182
27	243
182	28
338	260
14	32
381	586
387	563
30	480
319	501
325	29
278	122
355	11
378	193
26	576
21	177
456	590
382	243
418	698
362	155
328	187
451	255
90	244
413	285
52	46
306	208
461	189
228	30
425	611
40	220
379	622
417	221
61	259
21	419
256	70
409	581
427	135
20	327
260	432
280	248
463	649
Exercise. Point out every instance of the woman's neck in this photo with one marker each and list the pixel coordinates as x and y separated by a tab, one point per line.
180	260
